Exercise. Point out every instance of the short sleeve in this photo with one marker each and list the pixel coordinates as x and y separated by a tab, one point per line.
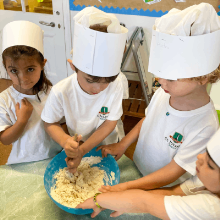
124	81
192	185
193	207
5	120
116	106
194	144
53	110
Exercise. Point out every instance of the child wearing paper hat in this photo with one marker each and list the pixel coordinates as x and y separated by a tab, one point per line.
196	198
180	117
22	103
90	99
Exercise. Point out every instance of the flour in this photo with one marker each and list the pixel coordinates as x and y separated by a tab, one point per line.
109	179
73	189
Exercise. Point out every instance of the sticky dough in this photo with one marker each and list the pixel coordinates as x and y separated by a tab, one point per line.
71	190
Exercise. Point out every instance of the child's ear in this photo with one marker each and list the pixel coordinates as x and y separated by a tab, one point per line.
45	60
71	64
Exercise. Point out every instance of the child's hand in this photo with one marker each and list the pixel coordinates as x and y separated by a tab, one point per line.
114	149
90	204
24	111
116	188
72	164
71	147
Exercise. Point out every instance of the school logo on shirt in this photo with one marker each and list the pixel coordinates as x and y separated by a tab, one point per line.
103	113
174	141
177	137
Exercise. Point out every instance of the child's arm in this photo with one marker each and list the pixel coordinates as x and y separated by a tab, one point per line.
118	149
131	201
23	113
157	179
64	127
67	142
98	136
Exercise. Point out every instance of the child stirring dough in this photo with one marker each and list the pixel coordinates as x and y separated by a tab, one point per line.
22	103
90	99
180	117
196	198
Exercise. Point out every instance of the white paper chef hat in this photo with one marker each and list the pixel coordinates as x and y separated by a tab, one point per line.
97	53
213	147
23	33
186	43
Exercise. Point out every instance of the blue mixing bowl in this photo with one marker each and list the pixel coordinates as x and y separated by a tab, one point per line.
107	164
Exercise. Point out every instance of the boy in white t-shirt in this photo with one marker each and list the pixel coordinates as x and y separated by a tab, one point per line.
90	99
196	198
180	117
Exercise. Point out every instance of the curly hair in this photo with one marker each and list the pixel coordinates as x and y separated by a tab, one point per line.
212	77
16	52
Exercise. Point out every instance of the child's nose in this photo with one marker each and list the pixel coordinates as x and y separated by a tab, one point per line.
100	87
200	158
23	77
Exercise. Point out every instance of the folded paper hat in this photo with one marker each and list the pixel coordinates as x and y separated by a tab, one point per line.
97	53
23	33
213	147
185	43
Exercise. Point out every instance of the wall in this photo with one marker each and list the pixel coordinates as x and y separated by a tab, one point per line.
215	94
131	21
1	5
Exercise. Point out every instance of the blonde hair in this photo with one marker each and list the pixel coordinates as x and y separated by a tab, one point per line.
212	77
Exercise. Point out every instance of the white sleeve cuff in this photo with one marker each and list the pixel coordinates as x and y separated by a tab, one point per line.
185	166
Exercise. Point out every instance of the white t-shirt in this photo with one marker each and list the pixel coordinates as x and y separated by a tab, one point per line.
124	82
167	133
84	113
34	144
198	204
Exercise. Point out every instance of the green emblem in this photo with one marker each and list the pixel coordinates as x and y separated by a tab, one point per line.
104	110
177	137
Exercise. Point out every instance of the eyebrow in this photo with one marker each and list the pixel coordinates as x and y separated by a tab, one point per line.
11	67
25	67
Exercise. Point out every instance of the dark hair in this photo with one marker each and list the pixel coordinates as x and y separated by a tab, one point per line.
16	52
98	78
99	27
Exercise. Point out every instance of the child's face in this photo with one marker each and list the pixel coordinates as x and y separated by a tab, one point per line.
178	88
208	172
24	73
88	85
